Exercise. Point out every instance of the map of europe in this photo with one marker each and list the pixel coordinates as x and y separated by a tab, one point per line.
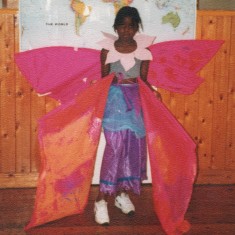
80	23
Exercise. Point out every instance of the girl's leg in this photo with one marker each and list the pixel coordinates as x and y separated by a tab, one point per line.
102	196
122	162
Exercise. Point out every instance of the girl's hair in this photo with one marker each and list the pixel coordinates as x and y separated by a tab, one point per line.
128	11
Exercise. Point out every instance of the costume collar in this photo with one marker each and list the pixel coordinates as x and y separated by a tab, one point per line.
127	59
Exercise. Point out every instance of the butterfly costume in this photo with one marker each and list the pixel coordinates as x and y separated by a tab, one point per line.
69	135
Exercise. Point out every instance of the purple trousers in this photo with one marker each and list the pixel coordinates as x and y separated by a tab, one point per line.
124	162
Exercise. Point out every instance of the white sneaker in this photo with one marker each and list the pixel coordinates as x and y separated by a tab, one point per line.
124	203
101	212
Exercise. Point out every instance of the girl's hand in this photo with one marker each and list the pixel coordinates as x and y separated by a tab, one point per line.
158	95
93	82
115	80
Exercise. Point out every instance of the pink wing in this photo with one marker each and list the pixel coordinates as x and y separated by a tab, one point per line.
69	137
172	155
63	72
176	63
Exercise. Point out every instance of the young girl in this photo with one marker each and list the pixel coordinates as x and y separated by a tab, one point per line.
124	161
66	175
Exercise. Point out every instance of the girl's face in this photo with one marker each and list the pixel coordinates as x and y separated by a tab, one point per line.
127	29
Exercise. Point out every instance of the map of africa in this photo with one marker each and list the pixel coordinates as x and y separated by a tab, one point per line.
80	23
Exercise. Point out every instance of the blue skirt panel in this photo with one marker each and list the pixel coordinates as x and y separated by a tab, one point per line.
123	110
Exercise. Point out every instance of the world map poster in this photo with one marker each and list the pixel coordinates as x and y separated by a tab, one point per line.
80	23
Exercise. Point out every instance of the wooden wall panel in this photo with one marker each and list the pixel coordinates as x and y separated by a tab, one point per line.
216	101
23	129
230	145
207	115
220	95
205	104
7	102
22	122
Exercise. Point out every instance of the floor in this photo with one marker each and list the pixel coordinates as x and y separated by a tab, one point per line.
211	212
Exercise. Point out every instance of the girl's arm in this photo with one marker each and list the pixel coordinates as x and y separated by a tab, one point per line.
144	74
105	68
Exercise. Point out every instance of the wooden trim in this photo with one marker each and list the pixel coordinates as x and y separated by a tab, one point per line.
8	11
215	13
30	180
216	177
18	180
